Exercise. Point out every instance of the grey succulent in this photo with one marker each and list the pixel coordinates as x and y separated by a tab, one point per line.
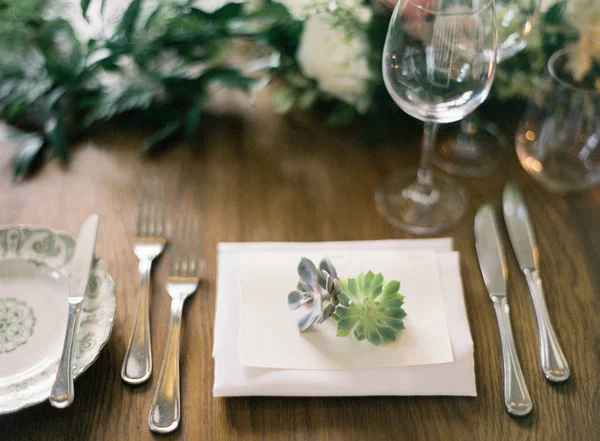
319	286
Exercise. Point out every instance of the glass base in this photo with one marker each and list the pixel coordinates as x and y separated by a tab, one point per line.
406	205
471	149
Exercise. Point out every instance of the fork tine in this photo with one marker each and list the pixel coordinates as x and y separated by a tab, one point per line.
196	245
185	257
188	247
181	254
140	224
188	262
148	202
175	249
153	218
161	220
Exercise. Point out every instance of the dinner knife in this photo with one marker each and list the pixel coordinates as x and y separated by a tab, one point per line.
493	269
62	394
520	231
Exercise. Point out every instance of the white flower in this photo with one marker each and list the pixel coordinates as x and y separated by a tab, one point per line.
336	59
296	7
304	8
547	4
584	15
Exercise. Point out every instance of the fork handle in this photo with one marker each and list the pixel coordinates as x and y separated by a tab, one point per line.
137	365
554	363
165	410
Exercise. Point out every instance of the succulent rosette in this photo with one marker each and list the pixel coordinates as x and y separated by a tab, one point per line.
367	306
319	286
370	308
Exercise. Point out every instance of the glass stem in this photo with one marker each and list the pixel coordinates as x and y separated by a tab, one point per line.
469	124
424	175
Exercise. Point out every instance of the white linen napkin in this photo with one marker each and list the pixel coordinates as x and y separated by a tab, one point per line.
234	379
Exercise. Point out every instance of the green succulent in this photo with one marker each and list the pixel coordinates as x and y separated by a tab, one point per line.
370	308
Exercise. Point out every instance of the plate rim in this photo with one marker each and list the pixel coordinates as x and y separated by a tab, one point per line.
111	294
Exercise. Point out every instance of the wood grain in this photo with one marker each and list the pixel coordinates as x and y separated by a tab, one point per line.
258	177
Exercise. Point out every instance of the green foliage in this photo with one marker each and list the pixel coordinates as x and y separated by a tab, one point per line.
159	65
19	21
370	308
517	76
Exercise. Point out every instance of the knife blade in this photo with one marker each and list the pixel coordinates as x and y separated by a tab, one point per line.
493	268
62	394
520	231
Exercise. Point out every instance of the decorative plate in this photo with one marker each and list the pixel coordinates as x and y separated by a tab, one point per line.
34	288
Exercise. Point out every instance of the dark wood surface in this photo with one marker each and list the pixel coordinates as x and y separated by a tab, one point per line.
259	177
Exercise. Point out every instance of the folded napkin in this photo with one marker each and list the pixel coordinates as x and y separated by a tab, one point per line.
234	379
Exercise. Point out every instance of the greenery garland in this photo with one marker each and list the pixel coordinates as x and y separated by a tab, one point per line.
160	63
56	86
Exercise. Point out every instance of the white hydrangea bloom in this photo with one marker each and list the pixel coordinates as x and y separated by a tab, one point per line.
336	59
547	4
297	8
584	15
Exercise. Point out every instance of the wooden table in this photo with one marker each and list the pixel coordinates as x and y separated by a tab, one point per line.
259	177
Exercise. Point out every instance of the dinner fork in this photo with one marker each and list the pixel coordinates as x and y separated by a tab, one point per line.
165	410
149	244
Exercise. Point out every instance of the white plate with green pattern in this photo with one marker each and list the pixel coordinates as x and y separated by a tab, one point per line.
34	290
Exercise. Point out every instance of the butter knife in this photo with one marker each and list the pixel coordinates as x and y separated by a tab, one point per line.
520	231
62	394
493	269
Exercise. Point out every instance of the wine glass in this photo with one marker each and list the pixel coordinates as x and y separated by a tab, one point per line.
475	147
439	61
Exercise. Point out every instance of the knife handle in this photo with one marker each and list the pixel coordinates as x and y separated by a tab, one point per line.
516	395
137	365
62	394
554	363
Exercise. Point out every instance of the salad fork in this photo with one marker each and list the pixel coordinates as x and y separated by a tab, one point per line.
165	410
149	244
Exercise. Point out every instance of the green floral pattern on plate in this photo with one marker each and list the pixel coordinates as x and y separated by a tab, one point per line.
16	324
54	249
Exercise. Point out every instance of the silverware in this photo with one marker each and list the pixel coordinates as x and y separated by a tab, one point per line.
554	363
149	244
62	394
493	269
165	410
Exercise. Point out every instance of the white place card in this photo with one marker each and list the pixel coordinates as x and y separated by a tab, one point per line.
269	336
